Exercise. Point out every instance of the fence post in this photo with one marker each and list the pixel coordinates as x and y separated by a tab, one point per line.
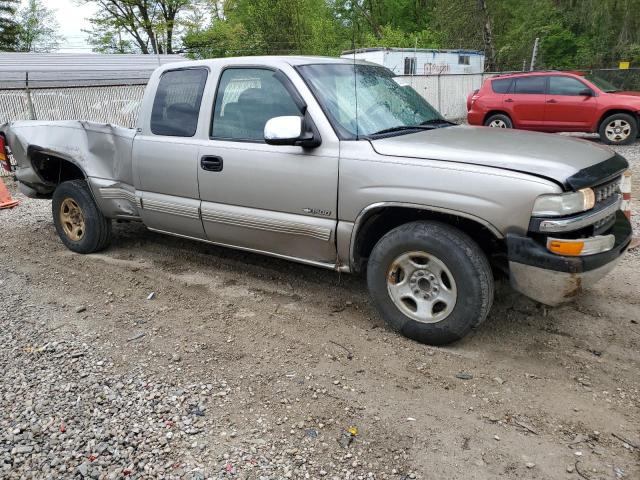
32	112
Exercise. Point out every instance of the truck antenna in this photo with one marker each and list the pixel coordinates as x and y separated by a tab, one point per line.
355	77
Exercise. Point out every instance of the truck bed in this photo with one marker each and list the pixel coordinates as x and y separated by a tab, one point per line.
99	150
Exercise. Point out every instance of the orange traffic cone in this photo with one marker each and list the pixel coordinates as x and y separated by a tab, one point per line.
5	197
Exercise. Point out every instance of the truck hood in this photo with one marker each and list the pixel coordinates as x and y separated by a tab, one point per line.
553	157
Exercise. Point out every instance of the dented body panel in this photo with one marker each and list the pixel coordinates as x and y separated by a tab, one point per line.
102	152
99	150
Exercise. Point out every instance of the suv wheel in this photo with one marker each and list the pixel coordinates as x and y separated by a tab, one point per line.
79	223
498	121
430	282
619	129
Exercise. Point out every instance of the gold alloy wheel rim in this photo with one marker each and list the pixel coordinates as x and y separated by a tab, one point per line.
72	219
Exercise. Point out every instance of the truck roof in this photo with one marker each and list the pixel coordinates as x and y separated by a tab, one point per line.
270	60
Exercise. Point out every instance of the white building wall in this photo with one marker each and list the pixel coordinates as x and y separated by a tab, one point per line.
432	62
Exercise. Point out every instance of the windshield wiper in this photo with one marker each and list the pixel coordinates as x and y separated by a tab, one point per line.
401	128
426	125
438	121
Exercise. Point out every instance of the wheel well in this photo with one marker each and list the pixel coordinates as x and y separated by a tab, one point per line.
495	112
379	222
54	170
608	113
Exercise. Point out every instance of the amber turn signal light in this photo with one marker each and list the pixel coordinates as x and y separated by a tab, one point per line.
569	248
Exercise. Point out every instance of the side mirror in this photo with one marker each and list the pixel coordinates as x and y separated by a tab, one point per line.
587	92
289	130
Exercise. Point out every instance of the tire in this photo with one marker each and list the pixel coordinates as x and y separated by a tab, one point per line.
466	275
498	120
79	223
618	129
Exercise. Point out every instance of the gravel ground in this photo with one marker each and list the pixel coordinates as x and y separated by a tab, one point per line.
242	366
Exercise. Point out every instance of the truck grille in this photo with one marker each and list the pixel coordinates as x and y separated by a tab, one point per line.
607	190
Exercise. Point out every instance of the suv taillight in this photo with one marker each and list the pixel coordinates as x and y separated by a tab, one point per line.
4	158
472	99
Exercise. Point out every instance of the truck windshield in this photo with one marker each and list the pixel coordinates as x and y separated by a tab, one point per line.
365	101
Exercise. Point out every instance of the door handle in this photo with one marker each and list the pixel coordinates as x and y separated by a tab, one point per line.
552	101
509	100
211	163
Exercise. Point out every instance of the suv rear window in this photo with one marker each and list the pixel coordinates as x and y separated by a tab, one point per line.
501	85
531	85
177	104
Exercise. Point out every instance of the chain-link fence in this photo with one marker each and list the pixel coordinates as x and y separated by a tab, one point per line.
97	98
624	80
90	100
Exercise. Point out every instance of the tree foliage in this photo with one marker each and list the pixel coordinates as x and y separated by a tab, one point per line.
8	25
37	28
124	26
573	33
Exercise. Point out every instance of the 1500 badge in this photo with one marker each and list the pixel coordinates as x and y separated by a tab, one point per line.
317	211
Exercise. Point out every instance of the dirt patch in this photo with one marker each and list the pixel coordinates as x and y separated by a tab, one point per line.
302	357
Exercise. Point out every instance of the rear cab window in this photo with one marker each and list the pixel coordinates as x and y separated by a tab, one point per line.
530	85
176	107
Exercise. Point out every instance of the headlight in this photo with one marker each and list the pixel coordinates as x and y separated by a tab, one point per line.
564	204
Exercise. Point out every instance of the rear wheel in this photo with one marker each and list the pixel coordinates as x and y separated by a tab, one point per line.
619	129
78	221
430	282
498	120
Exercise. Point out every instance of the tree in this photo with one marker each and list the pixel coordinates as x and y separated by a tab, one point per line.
38	28
150	25
255	27
573	33
109	40
8	25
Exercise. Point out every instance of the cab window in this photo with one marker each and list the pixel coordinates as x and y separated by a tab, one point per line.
177	104
246	99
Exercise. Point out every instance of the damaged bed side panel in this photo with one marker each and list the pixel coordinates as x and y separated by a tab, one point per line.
102	152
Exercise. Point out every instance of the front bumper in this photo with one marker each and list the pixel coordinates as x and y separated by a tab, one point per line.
553	279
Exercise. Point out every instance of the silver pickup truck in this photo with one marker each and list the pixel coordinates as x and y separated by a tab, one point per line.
334	163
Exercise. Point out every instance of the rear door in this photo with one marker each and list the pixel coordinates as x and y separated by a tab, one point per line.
568	109
525	102
272	199
165	155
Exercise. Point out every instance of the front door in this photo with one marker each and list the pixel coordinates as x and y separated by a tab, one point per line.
280	200
568	108
165	155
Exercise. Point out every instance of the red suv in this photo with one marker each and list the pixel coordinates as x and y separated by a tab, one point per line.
557	102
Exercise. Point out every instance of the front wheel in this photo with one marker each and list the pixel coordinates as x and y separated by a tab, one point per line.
430	281
80	224
619	129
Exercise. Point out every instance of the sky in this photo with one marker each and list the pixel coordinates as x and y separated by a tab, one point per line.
72	18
